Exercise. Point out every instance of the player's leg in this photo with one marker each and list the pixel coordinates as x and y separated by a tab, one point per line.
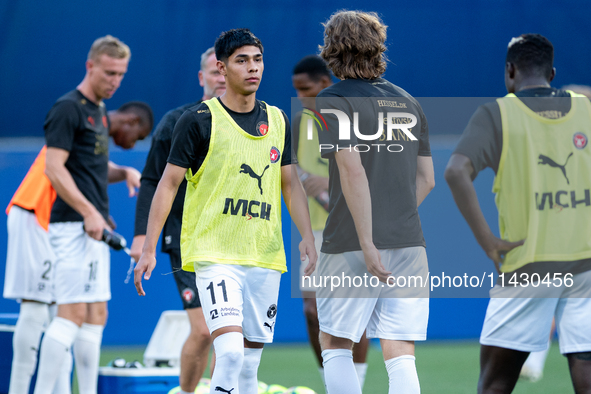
195	351
64	381
220	291
342	320
196	348
261	292
72	276
573	317
311	315
399	357
513	327
28	277
87	347
499	369
533	368
97	291
33	317
57	343
579	365
360	358
400	317
339	370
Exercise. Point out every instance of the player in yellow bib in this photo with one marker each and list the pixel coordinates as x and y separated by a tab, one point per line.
536	141
235	152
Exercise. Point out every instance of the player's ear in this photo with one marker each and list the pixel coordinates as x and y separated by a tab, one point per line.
221	67
89	64
200	78
325	81
552	74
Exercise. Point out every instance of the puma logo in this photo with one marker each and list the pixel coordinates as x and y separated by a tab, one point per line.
269	325
546	160
245	169
223	390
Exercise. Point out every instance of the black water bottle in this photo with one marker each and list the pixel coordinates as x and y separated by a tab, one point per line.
114	240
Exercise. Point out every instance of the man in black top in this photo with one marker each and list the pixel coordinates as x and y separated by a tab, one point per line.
310	77
196	348
78	166
515	323
373	226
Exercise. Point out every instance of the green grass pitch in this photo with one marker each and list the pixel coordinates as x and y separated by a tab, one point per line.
443	367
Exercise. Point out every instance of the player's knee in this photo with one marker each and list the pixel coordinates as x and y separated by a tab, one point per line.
229	351
200	335
250	365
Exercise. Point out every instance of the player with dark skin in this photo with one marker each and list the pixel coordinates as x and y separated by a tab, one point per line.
307	88
500	367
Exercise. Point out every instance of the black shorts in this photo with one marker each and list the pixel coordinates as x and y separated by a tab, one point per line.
185	281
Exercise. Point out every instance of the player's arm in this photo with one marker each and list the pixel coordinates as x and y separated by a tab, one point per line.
425	178
130	175
152	173
355	188
159	210
458	174
294	194
66	188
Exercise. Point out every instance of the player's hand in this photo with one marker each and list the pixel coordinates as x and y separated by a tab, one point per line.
308	249
132	179
94	224
373	260
314	185
144	267
136	247
497	248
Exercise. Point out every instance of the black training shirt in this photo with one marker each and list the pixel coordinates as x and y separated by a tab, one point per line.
391	175
155	165
81	127
190	140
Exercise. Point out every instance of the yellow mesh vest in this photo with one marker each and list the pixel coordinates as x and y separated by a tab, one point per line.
543	183
232	210
311	161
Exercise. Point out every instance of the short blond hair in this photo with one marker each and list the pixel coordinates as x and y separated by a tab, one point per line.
354	45
110	46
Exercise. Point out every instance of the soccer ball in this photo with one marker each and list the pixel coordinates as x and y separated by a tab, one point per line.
275	389
175	390
299	390
203	386
262	387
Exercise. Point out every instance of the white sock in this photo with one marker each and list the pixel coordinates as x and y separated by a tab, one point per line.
229	353
248	382
321	372
361	369
87	352
339	372
25	345
55	346
402	374
64	380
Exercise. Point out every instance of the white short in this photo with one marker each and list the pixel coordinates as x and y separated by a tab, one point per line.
235	295
387	313
523	324
82	272
30	260
304	284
